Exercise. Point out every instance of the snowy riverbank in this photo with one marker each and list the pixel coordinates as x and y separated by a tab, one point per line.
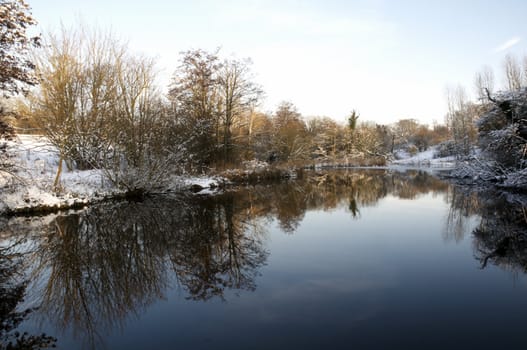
35	162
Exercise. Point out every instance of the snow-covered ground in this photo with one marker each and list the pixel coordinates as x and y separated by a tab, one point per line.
35	167
425	159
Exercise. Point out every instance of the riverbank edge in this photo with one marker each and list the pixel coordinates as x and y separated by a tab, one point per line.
212	185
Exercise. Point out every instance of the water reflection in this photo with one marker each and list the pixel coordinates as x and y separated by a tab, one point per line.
464	205
95	268
219	246
288	202
500	237
111	261
12	290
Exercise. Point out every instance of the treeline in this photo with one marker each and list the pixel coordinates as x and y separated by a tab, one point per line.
100	105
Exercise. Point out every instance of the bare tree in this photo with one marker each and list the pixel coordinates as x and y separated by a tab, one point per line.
371	139
513	73
460	119
327	138
483	82
55	103
239	94
210	100
258	128
403	130
289	133
99	106
194	96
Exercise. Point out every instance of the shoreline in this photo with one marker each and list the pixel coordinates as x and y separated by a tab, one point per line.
203	186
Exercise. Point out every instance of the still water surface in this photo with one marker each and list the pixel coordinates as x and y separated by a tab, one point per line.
337	260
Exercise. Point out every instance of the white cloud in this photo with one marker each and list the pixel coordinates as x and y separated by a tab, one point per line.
508	44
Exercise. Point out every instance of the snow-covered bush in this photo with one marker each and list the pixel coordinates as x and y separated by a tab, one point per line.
503	129
503	142
445	149
506	146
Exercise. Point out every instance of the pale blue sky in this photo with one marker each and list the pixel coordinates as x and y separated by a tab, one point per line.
387	59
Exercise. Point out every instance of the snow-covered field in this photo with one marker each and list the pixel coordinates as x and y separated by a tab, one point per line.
425	159
35	167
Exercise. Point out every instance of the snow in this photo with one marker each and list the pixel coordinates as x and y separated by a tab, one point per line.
198	184
35	166
204	181
425	159
255	165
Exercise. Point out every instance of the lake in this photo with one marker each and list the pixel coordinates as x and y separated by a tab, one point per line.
363	259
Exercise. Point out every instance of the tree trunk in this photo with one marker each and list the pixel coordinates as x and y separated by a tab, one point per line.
56	183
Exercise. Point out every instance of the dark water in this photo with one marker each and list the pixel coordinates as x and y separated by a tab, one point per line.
337	260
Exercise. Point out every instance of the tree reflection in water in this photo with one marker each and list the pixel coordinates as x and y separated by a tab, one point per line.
464	205
500	237
107	262
110	261
12	291
354	189
219	246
